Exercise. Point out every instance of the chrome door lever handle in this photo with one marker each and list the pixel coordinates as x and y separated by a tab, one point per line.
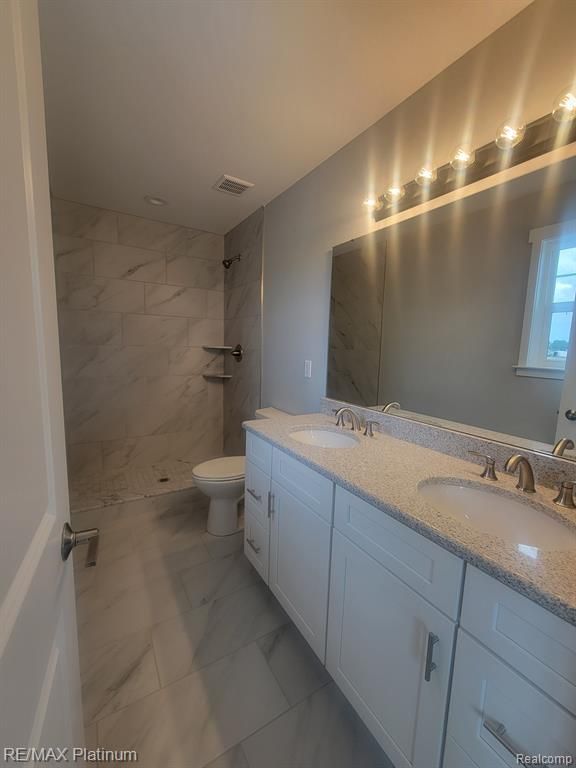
71	539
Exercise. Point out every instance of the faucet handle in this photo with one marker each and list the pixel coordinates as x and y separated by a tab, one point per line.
489	472
369	427
565	497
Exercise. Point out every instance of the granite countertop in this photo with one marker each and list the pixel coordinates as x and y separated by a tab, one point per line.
387	473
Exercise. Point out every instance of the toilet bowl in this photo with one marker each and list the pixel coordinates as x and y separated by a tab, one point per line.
222	480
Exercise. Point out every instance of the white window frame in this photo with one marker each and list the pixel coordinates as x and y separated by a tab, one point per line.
546	243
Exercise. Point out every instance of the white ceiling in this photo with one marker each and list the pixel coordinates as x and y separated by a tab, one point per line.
160	97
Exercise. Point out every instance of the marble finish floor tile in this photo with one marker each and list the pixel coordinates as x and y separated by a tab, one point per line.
197	638
117	674
321	732
216	578
199	718
234	758
104	617
220	546
294	664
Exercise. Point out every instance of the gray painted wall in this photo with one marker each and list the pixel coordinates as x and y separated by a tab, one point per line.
521	67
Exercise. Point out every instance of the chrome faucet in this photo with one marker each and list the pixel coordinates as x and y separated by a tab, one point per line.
389	406
341	413
526	475
564	444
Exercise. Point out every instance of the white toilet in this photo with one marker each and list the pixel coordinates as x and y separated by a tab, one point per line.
223	481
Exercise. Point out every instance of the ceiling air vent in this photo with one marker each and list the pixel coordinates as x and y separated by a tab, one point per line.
232	185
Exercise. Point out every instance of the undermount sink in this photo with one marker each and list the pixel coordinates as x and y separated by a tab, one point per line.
324	438
500	515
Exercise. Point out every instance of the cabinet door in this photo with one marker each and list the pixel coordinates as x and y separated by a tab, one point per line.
256	540
496	714
257	486
300	565
384	640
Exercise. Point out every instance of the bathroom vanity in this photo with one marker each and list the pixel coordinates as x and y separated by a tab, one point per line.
456	648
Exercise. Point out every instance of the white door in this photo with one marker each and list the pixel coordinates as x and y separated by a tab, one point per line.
39	676
566	426
390	652
300	565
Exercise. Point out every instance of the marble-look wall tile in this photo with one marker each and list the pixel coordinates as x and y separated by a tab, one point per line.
131	332
246	331
242	325
143	330
187	361
178	301
214	304
183	269
94	413
128	263
169	404
134	452
84	221
201	245
73	254
84	459
205	330
108	295
145	233
118	362
89	327
243	300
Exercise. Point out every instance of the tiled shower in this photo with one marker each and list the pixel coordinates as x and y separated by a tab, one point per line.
138	300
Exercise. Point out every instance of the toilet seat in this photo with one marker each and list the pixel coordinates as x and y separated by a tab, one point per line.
222	469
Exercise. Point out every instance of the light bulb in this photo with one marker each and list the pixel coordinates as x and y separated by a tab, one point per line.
564	108
425	176
394	194
371	203
509	135
462	159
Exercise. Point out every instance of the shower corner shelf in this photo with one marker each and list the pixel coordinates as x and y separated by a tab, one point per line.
218	347
220	376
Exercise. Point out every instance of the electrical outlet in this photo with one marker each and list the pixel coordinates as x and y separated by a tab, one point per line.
307	369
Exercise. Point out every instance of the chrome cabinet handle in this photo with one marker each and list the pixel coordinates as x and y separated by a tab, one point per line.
270	504
254	494
252	545
498	730
570	415
71	539
430	664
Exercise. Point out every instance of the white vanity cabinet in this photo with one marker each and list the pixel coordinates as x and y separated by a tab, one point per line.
300	541
257	504
389	649
514	687
288	533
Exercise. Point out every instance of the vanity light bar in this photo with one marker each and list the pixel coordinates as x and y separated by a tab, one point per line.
514	144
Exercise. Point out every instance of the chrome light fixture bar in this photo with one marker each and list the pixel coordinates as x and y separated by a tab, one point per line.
513	145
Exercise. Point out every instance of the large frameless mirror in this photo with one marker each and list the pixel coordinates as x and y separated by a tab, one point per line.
464	314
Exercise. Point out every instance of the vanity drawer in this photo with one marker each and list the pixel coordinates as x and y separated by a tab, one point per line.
309	487
257	488
427	568
531	639
486	693
256	543
259	452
